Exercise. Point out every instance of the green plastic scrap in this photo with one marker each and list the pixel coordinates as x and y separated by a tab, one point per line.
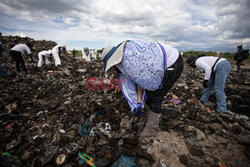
6	154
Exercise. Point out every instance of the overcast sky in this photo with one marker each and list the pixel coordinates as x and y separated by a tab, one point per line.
185	24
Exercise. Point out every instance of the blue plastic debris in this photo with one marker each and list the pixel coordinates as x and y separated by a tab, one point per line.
238	163
125	161
84	128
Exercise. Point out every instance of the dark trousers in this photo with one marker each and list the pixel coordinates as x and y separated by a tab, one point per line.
155	98
17	57
238	65
1	49
2	72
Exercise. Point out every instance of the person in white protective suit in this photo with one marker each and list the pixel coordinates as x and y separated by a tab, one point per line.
56	53
86	54
93	53
44	55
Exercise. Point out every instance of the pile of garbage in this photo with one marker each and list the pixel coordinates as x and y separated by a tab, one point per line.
56	117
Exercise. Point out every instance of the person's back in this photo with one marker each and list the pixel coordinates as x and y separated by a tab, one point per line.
18	51
23	48
56	53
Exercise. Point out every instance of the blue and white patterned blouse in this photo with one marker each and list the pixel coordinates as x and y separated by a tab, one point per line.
143	64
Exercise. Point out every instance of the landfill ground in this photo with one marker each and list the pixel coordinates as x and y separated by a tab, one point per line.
45	107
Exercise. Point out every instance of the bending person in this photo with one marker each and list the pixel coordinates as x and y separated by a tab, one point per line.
56	51
44	55
17	53
216	72
147	70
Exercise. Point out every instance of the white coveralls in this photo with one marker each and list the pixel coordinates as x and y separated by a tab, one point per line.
86	54
93	53
45	54
55	53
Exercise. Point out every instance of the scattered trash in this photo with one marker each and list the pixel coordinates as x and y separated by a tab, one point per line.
175	101
84	128
47	106
61	159
8	115
6	127
87	159
36	136
103	162
164	163
101	128
208	110
62	131
199	134
221	164
6	154
125	161
238	163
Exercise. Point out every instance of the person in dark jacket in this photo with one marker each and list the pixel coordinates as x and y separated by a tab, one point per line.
239	57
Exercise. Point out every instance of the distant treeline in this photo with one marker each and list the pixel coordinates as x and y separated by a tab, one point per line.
227	55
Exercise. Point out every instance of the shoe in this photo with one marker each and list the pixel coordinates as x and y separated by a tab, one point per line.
152	125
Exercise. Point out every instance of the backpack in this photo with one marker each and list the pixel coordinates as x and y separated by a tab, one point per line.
246	54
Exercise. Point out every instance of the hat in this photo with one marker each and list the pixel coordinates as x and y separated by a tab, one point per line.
112	55
191	59
29	45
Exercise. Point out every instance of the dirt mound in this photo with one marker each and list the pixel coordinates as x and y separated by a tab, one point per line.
48	115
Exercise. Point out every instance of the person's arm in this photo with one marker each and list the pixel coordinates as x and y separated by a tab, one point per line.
27	50
139	92
204	66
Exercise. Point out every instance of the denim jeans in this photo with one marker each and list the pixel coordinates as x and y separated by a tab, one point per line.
2	72
155	98
218	83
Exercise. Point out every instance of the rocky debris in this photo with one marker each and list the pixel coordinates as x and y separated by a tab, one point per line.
41	112
199	134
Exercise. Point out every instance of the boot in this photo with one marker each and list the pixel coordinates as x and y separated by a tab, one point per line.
152	125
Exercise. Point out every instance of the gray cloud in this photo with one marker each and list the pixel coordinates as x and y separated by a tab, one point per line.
51	6
203	24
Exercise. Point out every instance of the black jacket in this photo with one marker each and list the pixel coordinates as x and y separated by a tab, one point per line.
239	55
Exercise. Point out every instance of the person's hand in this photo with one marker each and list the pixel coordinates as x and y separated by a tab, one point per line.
34	60
205	83
138	110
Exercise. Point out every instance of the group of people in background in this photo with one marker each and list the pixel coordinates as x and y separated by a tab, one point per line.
148	70
47	54
88	53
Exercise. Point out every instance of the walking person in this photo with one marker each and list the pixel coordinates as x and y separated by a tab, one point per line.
240	56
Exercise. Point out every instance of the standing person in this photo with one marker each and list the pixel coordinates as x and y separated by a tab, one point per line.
17	53
44	55
239	57
147	70
74	52
216	72
56	51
